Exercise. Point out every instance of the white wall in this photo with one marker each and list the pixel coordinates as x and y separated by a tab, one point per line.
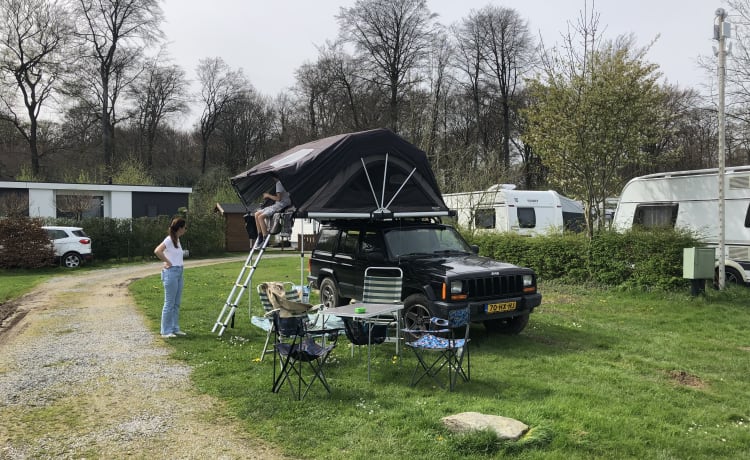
42	203
120	205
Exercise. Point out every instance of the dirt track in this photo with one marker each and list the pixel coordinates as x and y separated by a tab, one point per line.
81	376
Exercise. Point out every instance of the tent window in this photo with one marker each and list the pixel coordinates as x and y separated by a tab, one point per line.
484	218
526	217
656	215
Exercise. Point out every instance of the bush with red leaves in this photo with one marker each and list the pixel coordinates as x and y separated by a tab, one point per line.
24	243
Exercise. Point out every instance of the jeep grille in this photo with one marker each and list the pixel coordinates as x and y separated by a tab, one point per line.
495	286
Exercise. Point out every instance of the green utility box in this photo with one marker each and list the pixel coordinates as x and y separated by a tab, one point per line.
698	263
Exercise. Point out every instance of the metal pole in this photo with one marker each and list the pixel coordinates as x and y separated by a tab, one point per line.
721	32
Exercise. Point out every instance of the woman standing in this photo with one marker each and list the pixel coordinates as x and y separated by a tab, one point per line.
170	252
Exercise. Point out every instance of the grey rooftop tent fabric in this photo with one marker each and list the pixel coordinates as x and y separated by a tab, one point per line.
345	176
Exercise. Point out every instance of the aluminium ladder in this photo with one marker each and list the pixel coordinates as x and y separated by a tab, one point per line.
240	286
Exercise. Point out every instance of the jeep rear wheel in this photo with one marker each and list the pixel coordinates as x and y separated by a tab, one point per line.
416	312
329	294
511	326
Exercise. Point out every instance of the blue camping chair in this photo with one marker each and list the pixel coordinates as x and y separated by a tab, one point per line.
443	347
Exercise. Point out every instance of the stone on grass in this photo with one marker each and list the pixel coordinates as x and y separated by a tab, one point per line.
506	428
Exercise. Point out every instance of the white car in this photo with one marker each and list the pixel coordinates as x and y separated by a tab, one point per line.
72	245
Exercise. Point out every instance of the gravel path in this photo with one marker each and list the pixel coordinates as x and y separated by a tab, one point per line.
81	376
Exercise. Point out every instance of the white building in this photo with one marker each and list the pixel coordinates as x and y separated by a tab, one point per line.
116	201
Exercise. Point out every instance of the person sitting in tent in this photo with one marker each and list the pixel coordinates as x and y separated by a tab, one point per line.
282	200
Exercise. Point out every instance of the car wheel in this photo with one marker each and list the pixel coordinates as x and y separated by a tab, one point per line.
71	260
329	294
731	276
512	325
417	312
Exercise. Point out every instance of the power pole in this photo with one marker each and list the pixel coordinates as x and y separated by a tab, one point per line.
722	31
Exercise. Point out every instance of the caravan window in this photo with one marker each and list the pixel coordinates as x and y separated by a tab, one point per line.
747	217
484	218
526	217
656	215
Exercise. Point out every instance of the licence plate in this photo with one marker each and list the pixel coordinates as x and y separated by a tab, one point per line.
500	307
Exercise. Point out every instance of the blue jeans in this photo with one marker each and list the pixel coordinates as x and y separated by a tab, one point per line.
170	315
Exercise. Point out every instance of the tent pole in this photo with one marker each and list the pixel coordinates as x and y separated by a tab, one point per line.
302	255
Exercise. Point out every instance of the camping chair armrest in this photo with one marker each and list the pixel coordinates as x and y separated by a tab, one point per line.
270	313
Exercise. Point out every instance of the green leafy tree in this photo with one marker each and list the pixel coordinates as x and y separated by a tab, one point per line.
132	172
592	112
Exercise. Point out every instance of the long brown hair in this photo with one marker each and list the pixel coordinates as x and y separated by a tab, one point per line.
177	223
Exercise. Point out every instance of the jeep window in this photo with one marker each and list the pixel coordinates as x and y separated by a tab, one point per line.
371	243
348	243
424	241
526	218
327	240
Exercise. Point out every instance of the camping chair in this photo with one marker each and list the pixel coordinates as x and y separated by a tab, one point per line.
451	349
382	285
265	322
295	347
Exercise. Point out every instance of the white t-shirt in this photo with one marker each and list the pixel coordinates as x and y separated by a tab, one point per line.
173	254
283	194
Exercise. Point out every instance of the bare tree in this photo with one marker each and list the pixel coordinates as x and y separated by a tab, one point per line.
508	54
14	204
245	131
112	32
160	91
392	38
76	205
33	37
220	87
468	59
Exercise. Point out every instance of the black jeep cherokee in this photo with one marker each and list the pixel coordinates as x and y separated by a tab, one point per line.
441	272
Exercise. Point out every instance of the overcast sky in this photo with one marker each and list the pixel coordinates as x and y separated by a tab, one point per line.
269	40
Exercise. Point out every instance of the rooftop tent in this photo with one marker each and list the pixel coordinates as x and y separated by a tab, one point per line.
369	174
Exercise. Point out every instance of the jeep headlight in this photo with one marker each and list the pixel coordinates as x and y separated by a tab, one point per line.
454	290
528	283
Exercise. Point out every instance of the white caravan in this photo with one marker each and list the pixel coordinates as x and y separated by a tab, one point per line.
526	212
690	200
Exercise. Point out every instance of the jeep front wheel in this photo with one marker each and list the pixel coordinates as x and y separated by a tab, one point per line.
511	326
329	294
416	312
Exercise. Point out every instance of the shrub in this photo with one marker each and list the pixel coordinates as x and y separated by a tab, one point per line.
634	259
24	243
133	239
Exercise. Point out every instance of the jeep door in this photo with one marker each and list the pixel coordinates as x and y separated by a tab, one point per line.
344	261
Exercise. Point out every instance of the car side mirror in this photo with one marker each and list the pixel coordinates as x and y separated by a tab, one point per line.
475	249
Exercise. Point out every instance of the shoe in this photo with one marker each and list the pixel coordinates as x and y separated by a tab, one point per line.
180	333
259	242
168	336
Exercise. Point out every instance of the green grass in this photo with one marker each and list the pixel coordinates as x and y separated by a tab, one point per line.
17	282
597	374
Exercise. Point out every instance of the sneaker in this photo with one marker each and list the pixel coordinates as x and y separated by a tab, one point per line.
259	242
168	336
180	333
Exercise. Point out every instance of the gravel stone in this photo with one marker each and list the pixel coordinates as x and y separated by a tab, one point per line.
81	376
